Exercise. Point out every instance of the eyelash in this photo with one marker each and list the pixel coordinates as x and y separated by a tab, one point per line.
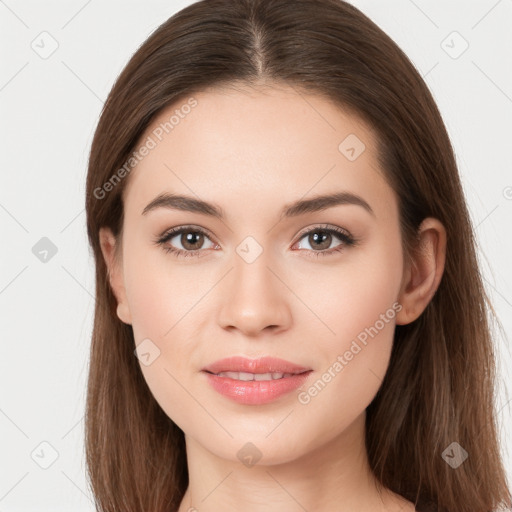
345	237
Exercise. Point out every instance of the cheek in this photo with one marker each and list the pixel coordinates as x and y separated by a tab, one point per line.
160	294
161	303
359	308
350	296
166	307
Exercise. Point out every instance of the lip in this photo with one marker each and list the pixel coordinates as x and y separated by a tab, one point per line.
255	392
261	365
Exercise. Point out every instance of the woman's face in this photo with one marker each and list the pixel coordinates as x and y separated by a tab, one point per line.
267	279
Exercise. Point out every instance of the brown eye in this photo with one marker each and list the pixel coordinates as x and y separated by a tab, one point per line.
185	241
192	240
322	241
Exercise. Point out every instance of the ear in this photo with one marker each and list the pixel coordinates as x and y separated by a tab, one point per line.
423	273
115	273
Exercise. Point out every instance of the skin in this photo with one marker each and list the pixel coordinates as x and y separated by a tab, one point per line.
252	151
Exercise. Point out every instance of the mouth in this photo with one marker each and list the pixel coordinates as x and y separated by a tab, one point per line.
246	376
255	381
260	366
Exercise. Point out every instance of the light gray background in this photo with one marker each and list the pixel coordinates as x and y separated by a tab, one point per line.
49	110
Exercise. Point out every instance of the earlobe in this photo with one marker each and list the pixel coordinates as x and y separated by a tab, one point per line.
114	273
424	272
123	313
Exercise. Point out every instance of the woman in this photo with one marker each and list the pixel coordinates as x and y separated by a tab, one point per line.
289	313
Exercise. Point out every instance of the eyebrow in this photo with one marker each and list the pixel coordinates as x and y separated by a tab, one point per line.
300	207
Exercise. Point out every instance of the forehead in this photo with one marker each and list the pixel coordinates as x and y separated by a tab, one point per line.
273	144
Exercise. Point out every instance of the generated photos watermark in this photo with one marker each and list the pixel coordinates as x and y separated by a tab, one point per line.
361	340
150	143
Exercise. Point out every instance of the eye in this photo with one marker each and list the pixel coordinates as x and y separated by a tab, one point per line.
192	241
320	239
190	238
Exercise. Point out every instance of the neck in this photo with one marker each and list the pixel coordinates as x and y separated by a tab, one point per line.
335	476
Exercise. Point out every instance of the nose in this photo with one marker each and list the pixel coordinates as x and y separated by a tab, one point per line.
254	298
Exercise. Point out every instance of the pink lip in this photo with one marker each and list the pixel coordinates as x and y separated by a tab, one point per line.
261	365
255	392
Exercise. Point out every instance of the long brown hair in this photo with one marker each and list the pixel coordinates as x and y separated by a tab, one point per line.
439	387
